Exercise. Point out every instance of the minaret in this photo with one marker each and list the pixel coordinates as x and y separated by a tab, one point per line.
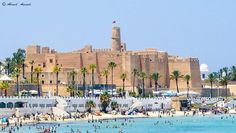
116	41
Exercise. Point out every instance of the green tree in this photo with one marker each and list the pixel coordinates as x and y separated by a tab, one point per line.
4	86
38	71
16	73
71	90
84	71
123	77
105	73
155	77
114	105
226	71
224	82
8	66
31	70
211	78
89	105
72	86
233	73
92	67
143	76
175	75
187	78
105	101
134	72
56	70
112	65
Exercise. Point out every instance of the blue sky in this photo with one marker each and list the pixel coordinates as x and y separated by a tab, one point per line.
199	28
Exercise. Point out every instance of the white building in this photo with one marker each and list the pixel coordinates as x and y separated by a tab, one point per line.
204	71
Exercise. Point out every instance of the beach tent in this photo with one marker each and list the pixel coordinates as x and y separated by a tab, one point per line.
33	92
5	78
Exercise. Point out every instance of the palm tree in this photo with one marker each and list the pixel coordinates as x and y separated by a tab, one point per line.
155	77
17	74
56	70
211	78
4	86
187	78
226	71
221	73
143	76
105	73
134	72
225	81
38	70
175	75
72	74
71	90
114	105
90	104
7	67
31	70
105	101
112	65
84	71
92	67
123	77
233	73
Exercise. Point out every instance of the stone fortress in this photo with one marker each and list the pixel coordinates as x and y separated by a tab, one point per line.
149	61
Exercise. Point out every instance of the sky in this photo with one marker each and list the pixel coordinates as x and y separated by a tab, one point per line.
205	29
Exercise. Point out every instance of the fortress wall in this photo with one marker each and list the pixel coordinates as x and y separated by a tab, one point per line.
163	69
182	65
103	60
38	58
195	75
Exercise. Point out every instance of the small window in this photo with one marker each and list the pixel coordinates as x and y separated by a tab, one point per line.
42	81
39	64
50	81
42	75
51	60
44	64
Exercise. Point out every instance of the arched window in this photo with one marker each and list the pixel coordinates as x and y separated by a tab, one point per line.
10	105
2	105
19	105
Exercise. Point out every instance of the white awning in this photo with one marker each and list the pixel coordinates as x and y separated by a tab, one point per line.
5	78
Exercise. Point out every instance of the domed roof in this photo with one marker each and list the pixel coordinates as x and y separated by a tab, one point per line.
204	68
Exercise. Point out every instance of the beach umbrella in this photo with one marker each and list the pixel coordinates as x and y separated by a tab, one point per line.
5	78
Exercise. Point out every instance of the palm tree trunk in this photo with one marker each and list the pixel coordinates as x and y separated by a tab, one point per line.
23	71
187	90
123	91
84	85
57	93
177	87
143	88
17	85
5	92
73	84
133	82
226	91
106	83
31	74
38	84
211	90
112	81
8	68
92	82
156	85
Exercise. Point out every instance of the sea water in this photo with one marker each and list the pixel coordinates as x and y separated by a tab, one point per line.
195	124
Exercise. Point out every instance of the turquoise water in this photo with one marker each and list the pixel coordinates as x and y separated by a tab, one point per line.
196	124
